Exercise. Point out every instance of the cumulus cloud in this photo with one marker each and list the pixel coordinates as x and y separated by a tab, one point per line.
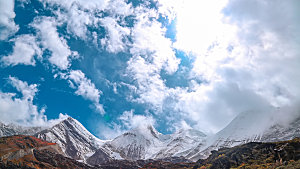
85	88
28	91
150	86
244	57
79	15
253	67
50	39
77	21
131	120
116	39
7	14
152	53
100	5
24	51
21	110
149	41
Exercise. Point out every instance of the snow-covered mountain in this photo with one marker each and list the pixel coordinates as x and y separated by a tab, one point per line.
73	138
145	142
180	143
252	126
13	129
139	143
282	132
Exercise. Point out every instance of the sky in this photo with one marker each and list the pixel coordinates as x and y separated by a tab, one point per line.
176	64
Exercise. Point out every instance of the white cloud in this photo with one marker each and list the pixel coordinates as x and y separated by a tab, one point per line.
131	120
199	24
77	21
128	120
109	132
150	86
80	14
21	110
244	57
85	88
254	66
149	41
7	25
50	39
24	51
87	5
116	39
28	91
152	53
119	7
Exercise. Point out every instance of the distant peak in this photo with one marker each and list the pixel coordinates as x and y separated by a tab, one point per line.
69	119
146	130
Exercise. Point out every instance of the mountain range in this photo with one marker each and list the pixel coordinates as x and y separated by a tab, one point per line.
145	142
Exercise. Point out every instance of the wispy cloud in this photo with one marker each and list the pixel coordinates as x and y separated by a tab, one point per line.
85	88
24	51
50	39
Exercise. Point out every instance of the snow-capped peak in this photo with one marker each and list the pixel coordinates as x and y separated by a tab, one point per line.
147	131
74	139
145	142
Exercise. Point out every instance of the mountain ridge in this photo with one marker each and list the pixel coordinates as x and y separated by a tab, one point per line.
145	142
74	139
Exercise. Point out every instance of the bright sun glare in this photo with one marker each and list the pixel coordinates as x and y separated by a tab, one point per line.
199	25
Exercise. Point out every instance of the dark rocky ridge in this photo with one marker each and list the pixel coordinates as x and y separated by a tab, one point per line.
255	154
30	152
284	154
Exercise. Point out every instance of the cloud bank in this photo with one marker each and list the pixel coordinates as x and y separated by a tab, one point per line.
224	57
21	109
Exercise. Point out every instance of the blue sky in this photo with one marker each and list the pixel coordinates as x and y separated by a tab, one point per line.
117	64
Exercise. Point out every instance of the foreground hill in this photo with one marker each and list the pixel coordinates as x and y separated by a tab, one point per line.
30	152
284	154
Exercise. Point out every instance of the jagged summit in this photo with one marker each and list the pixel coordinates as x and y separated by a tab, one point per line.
137	143
145	142
148	131
74	139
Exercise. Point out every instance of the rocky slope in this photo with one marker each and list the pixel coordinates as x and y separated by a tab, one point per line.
74	139
30	152
255	154
285	154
